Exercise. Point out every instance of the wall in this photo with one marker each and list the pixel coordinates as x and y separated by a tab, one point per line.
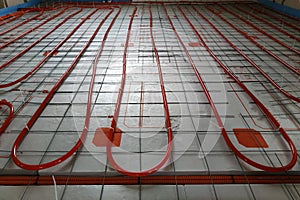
11	9
1	4
290	3
10	3
187	0
14	2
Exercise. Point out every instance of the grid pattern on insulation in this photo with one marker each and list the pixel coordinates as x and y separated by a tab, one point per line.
181	192
198	145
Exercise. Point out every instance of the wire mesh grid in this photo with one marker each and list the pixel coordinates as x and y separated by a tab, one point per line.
198	147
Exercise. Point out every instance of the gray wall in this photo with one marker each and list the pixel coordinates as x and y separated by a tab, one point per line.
290	3
14	2
1	4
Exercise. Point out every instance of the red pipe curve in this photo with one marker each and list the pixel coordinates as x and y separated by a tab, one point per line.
22	23
251	95
112	161
8	20
43	105
281	13
277	18
9	117
32	71
269	23
290	67
18	55
11	17
260	30
79	143
32	29
262	72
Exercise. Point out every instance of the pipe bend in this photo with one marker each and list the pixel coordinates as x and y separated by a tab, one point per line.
260	70
26	49
152	170
264	109
255	164
32	121
111	159
9	117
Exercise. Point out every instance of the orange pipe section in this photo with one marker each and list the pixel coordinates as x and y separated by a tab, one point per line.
151	180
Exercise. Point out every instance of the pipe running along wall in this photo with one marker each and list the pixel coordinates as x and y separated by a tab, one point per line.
10	19
262	72
283	22
13	16
114	164
290	67
40	64
268	23
260	30
168	124
22	23
252	96
18	55
32	29
50	95
286	11
7	122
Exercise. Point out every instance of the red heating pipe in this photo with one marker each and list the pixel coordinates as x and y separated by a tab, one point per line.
32	29
118	104
8	20
114	164
6	123
18	55
292	68
251	95
281	13
149	180
48	98
270	24
32	71
94	5
22	23
262	72
276	18
259	29
12	17
15	15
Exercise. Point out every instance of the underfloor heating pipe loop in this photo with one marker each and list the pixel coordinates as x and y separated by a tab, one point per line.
7	121
290	67
4	126
49	55
15	15
19	54
260	30
48	98
280	11
166	157
268	23
33	28
11	17
262	72
22	23
100	5
285	23
267	113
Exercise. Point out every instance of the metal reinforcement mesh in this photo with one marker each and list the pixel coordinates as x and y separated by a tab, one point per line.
201	91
